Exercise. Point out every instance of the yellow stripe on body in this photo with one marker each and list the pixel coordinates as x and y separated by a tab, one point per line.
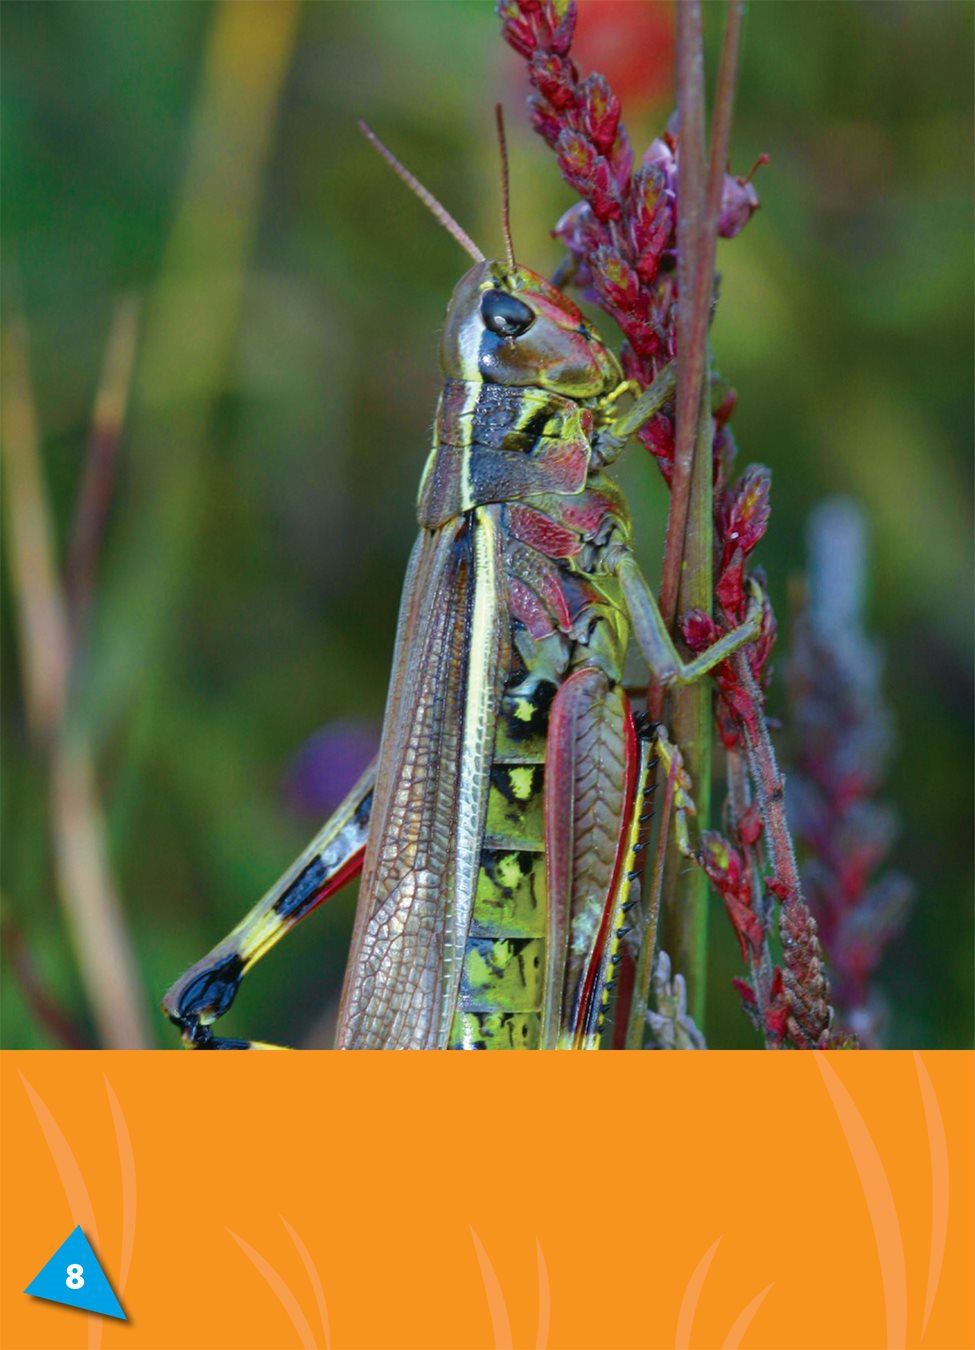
476	751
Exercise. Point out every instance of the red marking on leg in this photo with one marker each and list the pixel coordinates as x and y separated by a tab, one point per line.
350	869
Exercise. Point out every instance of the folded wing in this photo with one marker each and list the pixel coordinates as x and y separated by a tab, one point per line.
428	814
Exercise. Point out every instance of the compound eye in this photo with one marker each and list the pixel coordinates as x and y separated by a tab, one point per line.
505	315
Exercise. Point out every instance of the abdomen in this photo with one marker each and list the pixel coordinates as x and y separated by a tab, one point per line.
502	988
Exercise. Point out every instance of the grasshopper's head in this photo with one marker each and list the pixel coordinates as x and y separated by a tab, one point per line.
508	325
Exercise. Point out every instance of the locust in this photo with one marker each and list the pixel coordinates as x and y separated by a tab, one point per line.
497	831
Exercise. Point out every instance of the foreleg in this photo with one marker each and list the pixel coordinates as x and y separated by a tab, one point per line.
666	664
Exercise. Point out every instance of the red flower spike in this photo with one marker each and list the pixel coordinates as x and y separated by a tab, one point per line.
554	78
644	336
761	650
577	160
600	113
806	987
741	706
842	735
748	930
746	992
581	234
750	825
730	590
776	1009
699	630
721	862
527	25
728	729
562	31
621	160
780	889
603	193
651	223
776	1020
658	437
544	120
616	279
744	511
724	452
517	33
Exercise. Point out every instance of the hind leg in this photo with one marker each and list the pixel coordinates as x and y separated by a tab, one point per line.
205	992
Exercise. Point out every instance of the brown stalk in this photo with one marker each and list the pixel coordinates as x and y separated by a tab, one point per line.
42	1003
687	576
98	478
91	906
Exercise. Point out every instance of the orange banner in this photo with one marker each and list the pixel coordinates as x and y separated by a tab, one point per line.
679	1200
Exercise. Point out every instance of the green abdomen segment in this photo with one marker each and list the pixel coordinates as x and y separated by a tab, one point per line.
502	986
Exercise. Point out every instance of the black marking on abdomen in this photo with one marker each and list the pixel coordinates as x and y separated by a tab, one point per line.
492	858
518	783
533	699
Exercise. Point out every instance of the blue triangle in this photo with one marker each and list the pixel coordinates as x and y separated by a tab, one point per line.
74	1277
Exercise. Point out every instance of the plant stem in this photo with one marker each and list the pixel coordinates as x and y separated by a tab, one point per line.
691	331
691	726
682	933
687	578
101	464
92	908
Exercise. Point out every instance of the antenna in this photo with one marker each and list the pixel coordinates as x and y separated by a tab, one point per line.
426	197
505	191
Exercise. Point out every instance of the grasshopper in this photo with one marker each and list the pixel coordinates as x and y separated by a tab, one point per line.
497	830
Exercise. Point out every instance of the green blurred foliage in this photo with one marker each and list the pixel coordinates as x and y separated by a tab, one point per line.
263	514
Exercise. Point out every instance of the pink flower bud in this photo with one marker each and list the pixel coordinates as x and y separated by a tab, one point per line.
577	160
739	202
651	222
554	78
544	120
602	194
745	992
660	156
518	32
744	512
698	630
658	436
750	825
600	112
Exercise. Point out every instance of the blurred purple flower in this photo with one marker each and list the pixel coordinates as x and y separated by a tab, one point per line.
325	768
843	741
